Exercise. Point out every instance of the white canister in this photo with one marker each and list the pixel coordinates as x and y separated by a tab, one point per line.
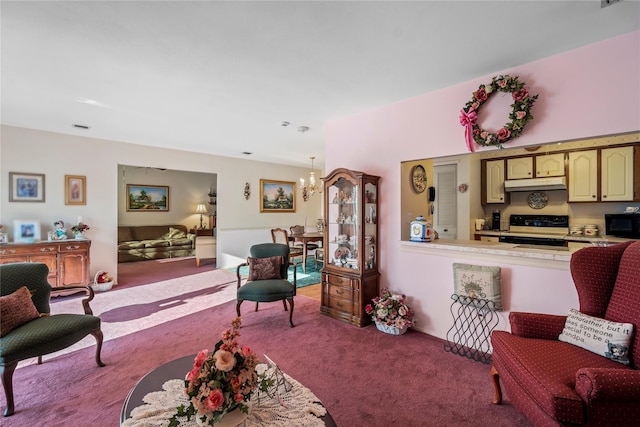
421	230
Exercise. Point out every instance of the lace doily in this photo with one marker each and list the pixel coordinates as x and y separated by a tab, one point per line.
297	406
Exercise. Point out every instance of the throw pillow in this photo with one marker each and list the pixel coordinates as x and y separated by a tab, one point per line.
174	233
478	281
600	336
16	309
264	268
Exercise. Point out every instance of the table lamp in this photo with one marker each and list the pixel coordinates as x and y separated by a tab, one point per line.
201	209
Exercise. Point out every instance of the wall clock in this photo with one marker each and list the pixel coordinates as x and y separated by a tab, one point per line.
537	200
418	179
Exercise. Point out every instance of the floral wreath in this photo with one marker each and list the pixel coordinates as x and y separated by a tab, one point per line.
520	115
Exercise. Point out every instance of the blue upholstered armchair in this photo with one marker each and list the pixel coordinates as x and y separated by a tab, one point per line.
28	330
268	277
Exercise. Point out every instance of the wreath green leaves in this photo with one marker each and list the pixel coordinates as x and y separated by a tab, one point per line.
520	114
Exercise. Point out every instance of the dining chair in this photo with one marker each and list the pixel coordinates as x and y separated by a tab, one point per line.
280	235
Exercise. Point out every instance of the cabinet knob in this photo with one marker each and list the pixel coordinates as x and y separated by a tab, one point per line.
339	304
604	196
339	292
73	247
593	196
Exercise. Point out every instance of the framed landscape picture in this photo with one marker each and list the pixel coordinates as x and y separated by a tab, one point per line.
26	187
75	192
147	198
26	231
277	196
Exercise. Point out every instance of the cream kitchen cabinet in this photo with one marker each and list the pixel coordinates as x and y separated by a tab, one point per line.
550	165
494	181
583	176
520	168
617	174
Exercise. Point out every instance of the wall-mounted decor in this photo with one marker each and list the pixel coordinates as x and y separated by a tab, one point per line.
277	196
26	187
418	179
519	116
247	191
75	190
143	198
26	231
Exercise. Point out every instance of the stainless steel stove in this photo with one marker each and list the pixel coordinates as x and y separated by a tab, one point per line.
544	230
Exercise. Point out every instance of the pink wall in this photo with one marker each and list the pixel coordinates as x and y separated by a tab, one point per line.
591	91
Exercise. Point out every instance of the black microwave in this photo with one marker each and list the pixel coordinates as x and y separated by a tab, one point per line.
623	225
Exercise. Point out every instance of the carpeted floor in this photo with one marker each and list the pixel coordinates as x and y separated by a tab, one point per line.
363	377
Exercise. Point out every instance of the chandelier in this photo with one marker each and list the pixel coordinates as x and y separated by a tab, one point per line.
309	190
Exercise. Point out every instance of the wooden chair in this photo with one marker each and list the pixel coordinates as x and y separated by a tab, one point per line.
279	235
275	286
319	256
40	335
299	229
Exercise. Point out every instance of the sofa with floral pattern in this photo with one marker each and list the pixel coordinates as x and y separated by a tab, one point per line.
145	242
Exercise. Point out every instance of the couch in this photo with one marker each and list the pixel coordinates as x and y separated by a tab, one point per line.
557	370
145	242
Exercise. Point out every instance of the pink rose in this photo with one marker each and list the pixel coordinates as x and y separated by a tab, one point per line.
214	400
225	361
239	397
503	134
474	106
193	374
200	358
480	95
484	134
368	309
519	95
520	114
246	351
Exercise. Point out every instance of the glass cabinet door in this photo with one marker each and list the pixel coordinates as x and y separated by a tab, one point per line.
342	232
370	226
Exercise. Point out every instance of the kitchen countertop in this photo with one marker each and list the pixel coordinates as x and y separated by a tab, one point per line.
569	237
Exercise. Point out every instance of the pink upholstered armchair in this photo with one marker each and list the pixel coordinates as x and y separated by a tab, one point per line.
558	383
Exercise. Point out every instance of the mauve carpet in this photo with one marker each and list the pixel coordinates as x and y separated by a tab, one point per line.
363	377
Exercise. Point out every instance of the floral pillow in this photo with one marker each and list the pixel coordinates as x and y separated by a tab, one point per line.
264	268
478	282
174	233
16	309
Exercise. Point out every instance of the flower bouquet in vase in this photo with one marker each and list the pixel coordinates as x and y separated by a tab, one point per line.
79	229
390	313
221	383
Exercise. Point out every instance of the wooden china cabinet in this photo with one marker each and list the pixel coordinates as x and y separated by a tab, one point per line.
350	277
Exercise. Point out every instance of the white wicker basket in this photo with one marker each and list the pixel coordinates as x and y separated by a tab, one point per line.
392	330
101	287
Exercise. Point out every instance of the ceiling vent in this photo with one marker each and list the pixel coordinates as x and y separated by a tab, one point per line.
605	3
83	127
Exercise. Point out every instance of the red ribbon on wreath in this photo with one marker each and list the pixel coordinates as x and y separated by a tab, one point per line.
468	120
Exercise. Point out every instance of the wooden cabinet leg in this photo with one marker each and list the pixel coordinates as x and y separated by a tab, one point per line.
496	384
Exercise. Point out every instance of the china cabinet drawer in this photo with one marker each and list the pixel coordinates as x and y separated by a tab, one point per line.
339	281
343	305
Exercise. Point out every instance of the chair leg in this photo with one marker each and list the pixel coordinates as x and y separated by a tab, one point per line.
495	376
291	311
39	360
99	338
284	302
256	305
238	307
7	384
197	262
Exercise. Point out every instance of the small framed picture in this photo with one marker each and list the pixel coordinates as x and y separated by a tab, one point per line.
147	198
277	196
26	231
75	190
26	187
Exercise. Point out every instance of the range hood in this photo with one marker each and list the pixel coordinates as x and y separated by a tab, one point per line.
551	183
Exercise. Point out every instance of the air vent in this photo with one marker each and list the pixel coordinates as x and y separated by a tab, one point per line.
605	3
83	127
247	153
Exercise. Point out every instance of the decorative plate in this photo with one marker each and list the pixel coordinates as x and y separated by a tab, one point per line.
418	179
537	200
342	252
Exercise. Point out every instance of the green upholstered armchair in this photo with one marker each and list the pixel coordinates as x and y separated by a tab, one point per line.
41	335
276	286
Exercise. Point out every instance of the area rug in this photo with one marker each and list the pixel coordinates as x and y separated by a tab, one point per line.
311	277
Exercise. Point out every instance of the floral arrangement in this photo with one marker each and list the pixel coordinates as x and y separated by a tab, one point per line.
103	277
390	309
80	228
519	116
222	381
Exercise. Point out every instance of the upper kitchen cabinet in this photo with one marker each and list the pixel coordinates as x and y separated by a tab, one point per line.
617	174
493	187
550	165
583	176
520	167
614	172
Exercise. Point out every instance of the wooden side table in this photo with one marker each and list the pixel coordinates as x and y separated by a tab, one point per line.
203	231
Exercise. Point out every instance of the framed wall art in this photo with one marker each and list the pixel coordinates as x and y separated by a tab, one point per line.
147	198
277	196
75	190
26	187
26	231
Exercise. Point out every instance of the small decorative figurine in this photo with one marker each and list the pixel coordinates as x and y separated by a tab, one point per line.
59	233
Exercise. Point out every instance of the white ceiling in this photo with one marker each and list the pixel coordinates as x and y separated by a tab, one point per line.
219	77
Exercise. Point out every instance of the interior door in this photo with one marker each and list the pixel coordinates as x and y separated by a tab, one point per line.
445	214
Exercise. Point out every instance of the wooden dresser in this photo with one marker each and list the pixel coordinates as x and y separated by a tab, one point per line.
68	260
